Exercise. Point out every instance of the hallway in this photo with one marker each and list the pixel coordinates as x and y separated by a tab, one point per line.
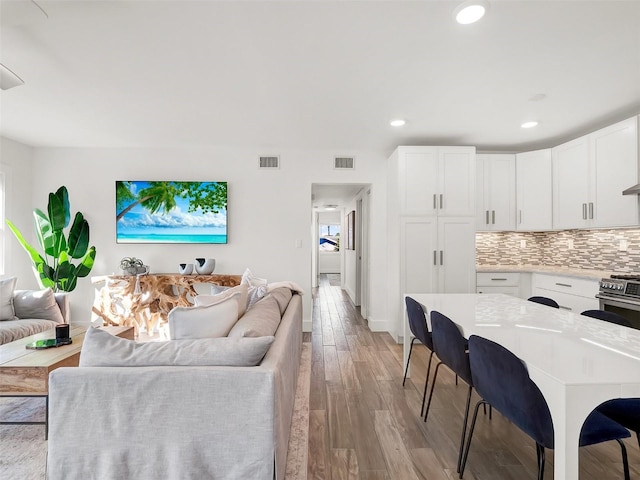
364	425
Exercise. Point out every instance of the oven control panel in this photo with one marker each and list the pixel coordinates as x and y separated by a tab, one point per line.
613	286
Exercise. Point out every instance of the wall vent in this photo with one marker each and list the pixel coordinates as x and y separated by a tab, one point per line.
269	161
344	163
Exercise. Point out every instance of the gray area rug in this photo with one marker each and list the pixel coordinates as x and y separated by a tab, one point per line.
23	449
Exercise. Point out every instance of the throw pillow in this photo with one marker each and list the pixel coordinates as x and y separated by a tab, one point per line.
283	296
261	320
101	349
204	322
204	300
40	304
257	287
7	311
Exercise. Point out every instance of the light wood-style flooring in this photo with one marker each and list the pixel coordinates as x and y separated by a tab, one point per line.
364	425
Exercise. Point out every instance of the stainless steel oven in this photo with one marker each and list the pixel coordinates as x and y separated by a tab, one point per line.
621	294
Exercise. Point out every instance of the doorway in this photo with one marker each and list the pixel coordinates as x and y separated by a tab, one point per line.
340	232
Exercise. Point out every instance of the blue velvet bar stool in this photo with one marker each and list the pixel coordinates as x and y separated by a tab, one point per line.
420	331
550	302
451	348
502	380
610	317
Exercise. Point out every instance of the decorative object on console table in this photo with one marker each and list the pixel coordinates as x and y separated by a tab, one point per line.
133	266
117	302
185	269
58	247
205	266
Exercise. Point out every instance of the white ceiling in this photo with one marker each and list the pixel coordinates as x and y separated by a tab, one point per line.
317	74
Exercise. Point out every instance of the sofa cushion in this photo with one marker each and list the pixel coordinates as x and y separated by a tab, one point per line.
260	320
204	300
7	311
101	349
283	296
39	304
207	321
12	330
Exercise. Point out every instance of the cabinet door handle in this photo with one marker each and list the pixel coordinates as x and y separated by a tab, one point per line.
493	217
564	285
520	217
441	201
501	279
487	217
441	257
591	210
435	205
435	258
565	308
584	211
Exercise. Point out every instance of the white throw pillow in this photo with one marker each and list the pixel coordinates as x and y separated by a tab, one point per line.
101	349
39	304
7	311
204	300
261	320
257	287
204	322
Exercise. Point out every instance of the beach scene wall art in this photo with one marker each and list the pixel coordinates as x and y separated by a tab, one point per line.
171	212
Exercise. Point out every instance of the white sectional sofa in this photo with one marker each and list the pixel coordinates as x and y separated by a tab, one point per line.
179	422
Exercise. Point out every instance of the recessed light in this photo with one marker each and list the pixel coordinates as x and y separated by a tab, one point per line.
397	123
470	11
529	124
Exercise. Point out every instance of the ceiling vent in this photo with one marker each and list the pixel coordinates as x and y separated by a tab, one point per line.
344	163
270	162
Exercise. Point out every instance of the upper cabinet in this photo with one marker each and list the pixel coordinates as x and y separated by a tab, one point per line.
534	190
589	175
496	192
436	180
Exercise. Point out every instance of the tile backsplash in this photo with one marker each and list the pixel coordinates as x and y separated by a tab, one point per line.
614	250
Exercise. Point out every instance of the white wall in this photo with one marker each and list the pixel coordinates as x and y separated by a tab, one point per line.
268	210
16	161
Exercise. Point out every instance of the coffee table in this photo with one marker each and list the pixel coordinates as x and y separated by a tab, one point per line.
25	373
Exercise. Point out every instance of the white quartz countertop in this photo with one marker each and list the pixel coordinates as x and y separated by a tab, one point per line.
567	272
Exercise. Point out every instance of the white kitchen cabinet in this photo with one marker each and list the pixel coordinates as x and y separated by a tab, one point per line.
498	282
437	254
571	293
589	175
496	192
436	180
534	191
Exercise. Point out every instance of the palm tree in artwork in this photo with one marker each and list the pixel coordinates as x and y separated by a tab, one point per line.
162	196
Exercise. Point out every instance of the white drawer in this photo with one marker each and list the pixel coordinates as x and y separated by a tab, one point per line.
505	279
583	287
574	303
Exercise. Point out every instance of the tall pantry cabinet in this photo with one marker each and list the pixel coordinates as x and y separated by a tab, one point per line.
431	218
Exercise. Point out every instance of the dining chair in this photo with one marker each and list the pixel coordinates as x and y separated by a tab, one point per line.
502	380
625	411
610	317
550	302
451	348
420	331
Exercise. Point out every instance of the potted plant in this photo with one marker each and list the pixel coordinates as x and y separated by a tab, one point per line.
55	268
132	265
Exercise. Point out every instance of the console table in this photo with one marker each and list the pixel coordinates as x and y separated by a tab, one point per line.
145	300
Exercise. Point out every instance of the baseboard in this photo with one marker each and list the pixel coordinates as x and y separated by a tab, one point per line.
379	326
306	326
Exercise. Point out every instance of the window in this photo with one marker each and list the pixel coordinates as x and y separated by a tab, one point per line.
329	238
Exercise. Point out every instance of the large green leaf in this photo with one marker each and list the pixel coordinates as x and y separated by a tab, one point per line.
63	195
86	264
58	215
36	258
78	237
44	231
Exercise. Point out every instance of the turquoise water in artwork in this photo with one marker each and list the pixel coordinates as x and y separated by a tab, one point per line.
169	238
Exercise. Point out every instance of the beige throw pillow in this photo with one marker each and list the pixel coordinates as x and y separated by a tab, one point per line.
208	321
37	304
204	300
260	320
6	298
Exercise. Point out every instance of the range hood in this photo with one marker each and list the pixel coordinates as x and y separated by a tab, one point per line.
635	190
